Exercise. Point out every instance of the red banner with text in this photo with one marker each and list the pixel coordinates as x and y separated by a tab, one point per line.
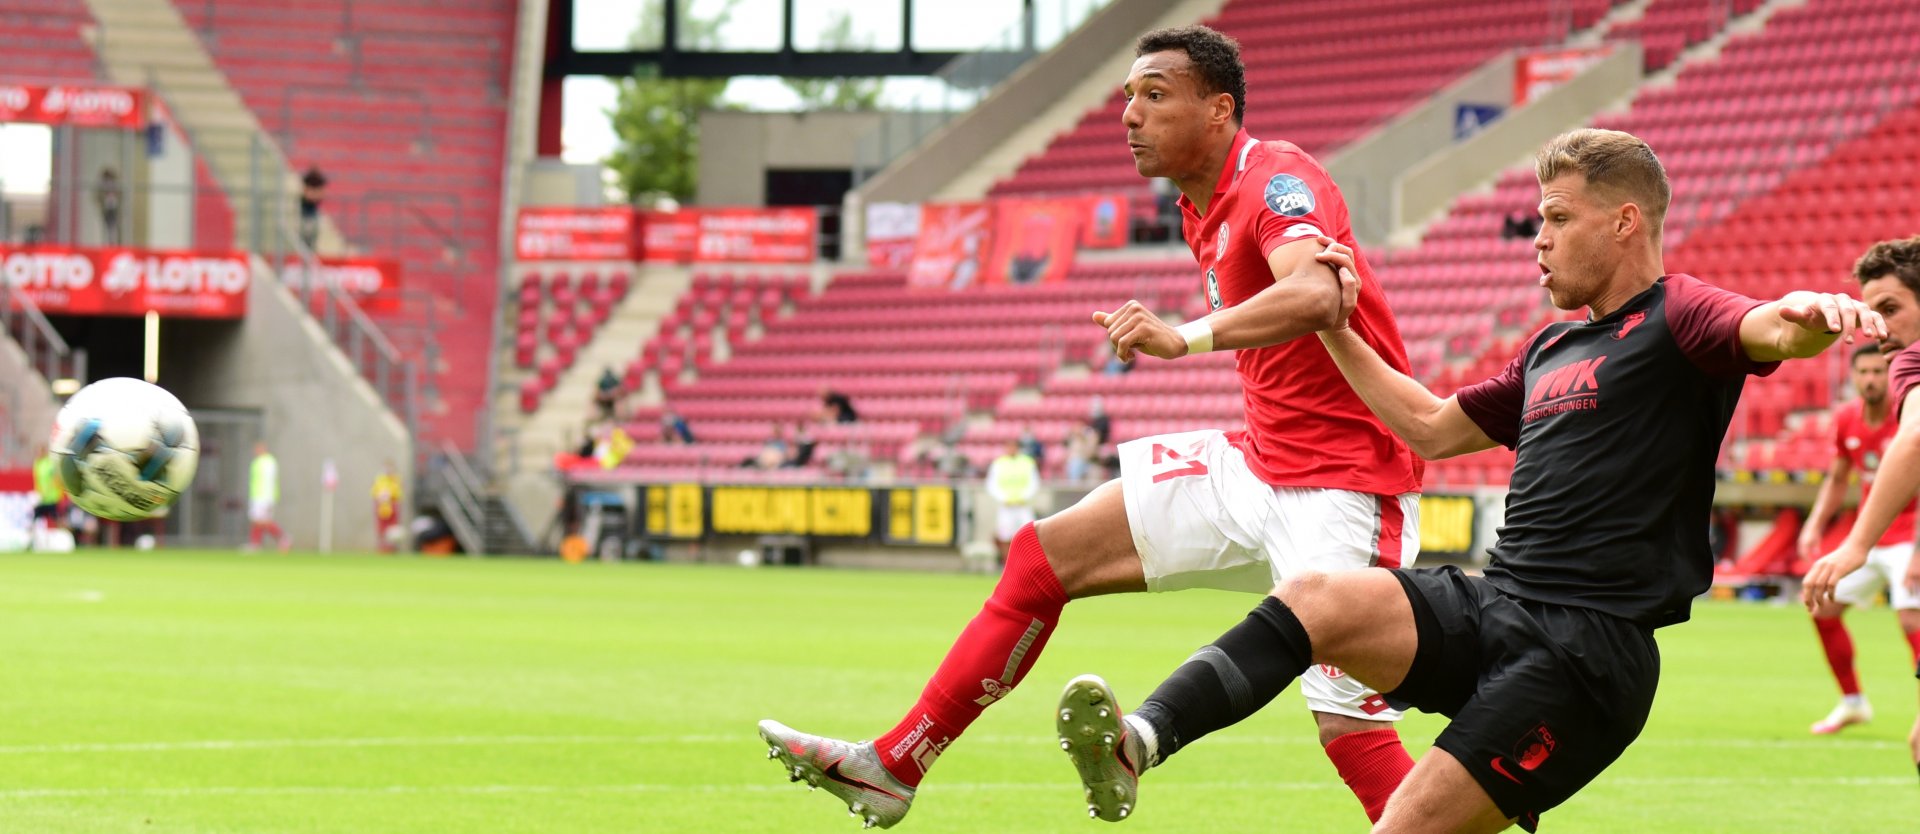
1106	222
953	243
73	105
1034	240
1537	72
373	282
569	233
129	282
669	236
769	235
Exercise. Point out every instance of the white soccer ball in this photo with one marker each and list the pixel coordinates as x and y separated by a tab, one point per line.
126	448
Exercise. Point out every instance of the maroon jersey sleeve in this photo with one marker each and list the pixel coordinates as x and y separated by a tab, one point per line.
1705	323
1494	404
1291	199
1903	376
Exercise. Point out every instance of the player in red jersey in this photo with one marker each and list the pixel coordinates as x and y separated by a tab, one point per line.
1861	432
1889	276
1315	481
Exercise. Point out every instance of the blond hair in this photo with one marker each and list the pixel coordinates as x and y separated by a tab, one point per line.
1613	161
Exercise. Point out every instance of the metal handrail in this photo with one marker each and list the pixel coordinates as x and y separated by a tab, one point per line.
46	351
463	513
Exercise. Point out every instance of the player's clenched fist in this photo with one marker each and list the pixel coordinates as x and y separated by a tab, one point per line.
1135	329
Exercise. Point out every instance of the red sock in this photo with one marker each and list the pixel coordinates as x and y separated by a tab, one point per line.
1839	645
986	662
253	535
1913	642
1372	763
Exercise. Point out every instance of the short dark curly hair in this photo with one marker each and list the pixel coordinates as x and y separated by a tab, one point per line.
1215	57
1901	258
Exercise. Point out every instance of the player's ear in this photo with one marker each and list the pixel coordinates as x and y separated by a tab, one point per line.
1222	108
1626	219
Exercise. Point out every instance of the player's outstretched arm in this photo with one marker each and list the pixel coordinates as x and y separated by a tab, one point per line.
1303	299
1433	427
1893	489
1803	323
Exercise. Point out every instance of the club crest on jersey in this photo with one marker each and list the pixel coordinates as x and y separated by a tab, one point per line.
1220	250
1289	196
1213	290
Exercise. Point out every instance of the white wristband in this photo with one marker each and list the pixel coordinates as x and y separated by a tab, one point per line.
1199	335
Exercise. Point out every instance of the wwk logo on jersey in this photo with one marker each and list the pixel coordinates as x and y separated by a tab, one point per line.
1289	196
1574	386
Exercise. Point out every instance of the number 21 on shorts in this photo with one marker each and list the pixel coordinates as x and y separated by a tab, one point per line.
1179	465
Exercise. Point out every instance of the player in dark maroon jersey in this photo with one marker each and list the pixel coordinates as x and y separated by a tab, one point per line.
1862	430
1889	276
1314	482
1547	663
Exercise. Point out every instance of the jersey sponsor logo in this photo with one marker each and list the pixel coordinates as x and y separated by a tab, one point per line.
1220	243
1289	196
1213	289
1627	325
1574	386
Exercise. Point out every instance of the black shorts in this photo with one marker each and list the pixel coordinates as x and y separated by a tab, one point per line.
1543	697
49	512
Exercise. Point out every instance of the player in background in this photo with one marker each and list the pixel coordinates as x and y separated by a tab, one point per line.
1315	482
48	491
1889	275
263	494
386	508
1547	663
1861	432
1013	481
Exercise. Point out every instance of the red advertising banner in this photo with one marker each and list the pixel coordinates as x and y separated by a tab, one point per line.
953	241
1537	72
669	236
769	235
373	282
129	282
76	105
572	233
1106	222
1034	240
891	230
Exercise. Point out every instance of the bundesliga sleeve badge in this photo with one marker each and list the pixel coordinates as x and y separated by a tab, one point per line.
1289	196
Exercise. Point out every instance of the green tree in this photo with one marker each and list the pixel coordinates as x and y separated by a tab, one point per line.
837	93
657	120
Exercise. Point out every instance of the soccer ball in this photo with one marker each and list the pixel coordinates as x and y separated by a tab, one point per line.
126	449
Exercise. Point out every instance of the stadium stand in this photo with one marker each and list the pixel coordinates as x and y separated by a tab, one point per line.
556	313
385	97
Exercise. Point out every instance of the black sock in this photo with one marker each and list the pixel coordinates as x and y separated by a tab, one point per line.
1223	683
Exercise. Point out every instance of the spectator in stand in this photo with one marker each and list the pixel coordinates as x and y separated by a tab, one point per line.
47	489
1098	420
386	508
1520	225
1031	445
801	453
263	494
836	407
313	189
1013	481
1113	366
606	394
107	195
674	428
772	454
1083	444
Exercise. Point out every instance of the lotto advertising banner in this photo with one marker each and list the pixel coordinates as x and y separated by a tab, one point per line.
1536	73
772	235
129	282
567	233
1105	223
373	282
669	237
73	105
952	243
1034	240
891	229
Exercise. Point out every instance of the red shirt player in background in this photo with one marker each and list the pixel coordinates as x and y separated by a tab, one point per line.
1861	432
1889	276
1314	482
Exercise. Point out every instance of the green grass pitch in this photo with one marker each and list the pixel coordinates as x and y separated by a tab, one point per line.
213	692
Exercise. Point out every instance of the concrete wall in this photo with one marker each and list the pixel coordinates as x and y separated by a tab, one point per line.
28	400
738	148
1368	168
315	406
1429	187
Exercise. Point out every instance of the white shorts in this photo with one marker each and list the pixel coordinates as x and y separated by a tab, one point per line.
1010	519
1885	568
260	512
1202	519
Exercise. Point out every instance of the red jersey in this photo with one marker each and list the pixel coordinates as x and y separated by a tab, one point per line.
1305	425
1903	375
1864	446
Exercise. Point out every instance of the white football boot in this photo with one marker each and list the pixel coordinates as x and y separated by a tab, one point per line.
847	770
1845	714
